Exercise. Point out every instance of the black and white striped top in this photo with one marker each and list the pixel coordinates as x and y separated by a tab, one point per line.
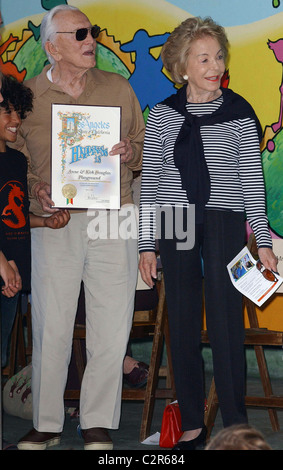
233	158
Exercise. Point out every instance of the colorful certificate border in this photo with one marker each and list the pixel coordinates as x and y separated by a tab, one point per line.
83	174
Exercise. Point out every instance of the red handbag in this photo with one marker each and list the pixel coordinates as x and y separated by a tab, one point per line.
171	426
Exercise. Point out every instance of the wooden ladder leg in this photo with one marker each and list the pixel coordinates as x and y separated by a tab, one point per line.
80	365
17	344
170	382
21	348
13	347
155	359
212	408
29	333
267	388
262	366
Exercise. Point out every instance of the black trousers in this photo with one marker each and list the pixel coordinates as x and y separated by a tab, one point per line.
217	241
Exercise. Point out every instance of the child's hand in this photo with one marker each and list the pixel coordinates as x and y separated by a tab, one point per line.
57	220
11	277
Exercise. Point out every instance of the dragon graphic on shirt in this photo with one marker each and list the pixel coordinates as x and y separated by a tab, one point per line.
12	214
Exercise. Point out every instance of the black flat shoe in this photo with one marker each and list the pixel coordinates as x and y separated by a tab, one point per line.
138	377
193	444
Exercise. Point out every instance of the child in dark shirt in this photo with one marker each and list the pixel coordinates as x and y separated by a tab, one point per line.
15	219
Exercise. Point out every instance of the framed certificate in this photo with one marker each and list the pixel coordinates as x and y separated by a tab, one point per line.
83	174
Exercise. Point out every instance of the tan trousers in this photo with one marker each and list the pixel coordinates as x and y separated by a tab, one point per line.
108	268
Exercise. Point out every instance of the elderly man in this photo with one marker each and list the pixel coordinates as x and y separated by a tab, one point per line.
108	267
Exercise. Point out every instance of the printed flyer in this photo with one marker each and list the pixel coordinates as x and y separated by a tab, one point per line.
251	278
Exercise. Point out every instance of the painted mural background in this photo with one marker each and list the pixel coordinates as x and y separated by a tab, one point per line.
133	32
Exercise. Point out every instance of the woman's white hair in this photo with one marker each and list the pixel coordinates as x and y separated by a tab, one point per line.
47	27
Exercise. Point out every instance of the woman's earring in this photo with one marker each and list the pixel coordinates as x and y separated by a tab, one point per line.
185	77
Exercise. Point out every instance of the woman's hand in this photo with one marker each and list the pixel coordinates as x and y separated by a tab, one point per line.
268	258
147	267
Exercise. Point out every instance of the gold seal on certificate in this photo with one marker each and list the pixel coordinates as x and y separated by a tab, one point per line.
69	191
84	175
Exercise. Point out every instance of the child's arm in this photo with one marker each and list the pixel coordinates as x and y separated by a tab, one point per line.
57	220
10	275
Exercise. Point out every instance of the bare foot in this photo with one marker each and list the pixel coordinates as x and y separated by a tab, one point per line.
129	364
189	435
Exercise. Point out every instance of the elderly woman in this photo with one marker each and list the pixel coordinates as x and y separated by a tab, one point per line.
107	266
202	149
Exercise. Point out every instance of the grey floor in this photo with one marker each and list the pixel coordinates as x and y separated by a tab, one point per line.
127	437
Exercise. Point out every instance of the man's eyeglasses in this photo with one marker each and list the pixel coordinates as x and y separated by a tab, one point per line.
267	273
81	33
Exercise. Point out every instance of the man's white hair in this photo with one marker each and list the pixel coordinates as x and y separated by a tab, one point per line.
47	27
